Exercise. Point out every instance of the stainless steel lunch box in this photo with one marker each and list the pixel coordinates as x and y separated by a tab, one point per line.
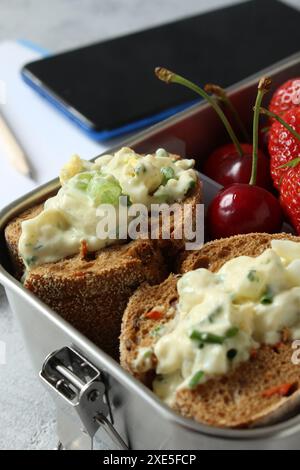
93	394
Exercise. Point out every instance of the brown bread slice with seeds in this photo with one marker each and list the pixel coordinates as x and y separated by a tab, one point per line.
92	293
238	399
13	228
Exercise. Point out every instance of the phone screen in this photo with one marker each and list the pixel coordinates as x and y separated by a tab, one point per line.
112	83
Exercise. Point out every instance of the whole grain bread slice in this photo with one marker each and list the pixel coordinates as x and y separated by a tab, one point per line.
90	292
170	247
237	399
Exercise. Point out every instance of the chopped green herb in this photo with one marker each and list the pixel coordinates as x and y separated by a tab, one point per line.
31	260
167	173
267	297
156	331
214	314
252	276
207	337
147	354
103	191
139	169
196	379
232	332
81	185
210	338
231	353
38	247
82	180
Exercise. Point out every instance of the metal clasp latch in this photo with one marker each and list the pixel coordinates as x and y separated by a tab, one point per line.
80	395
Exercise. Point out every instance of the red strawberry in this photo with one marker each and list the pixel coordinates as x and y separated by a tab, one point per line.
290	194
283	146
286	97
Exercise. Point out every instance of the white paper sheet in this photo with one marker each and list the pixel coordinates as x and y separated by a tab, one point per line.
48	138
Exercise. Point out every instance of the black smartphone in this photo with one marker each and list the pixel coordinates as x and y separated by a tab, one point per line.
109	88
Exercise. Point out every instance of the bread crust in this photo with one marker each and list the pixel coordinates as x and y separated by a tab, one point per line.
91	294
235	400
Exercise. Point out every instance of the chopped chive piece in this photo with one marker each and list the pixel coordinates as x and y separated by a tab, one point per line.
38	247
140	168
103	191
81	185
252	276
31	260
210	338
156	331
196	379
207	337
84	176
147	354
167	173
267	297
215	313
82	180
231	353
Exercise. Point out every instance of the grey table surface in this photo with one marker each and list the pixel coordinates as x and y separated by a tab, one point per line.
27	415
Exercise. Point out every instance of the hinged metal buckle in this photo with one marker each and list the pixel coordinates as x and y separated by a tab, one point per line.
80	395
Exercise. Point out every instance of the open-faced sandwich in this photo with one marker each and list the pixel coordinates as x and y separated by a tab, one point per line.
215	342
88	279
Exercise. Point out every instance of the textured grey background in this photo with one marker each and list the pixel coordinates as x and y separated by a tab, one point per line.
27	418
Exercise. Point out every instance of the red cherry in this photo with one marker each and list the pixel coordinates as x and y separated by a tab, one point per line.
227	167
243	208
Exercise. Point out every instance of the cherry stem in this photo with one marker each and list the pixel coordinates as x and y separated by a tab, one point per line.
280	120
170	77
263	87
221	94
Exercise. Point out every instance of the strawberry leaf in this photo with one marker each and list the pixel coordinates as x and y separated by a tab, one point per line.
291	164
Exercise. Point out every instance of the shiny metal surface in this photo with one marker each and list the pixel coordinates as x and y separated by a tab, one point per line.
138	416
79	390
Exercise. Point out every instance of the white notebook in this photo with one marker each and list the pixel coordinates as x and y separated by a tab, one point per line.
48	138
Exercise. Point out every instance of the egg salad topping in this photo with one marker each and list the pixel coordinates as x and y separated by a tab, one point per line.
71	216
223	317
